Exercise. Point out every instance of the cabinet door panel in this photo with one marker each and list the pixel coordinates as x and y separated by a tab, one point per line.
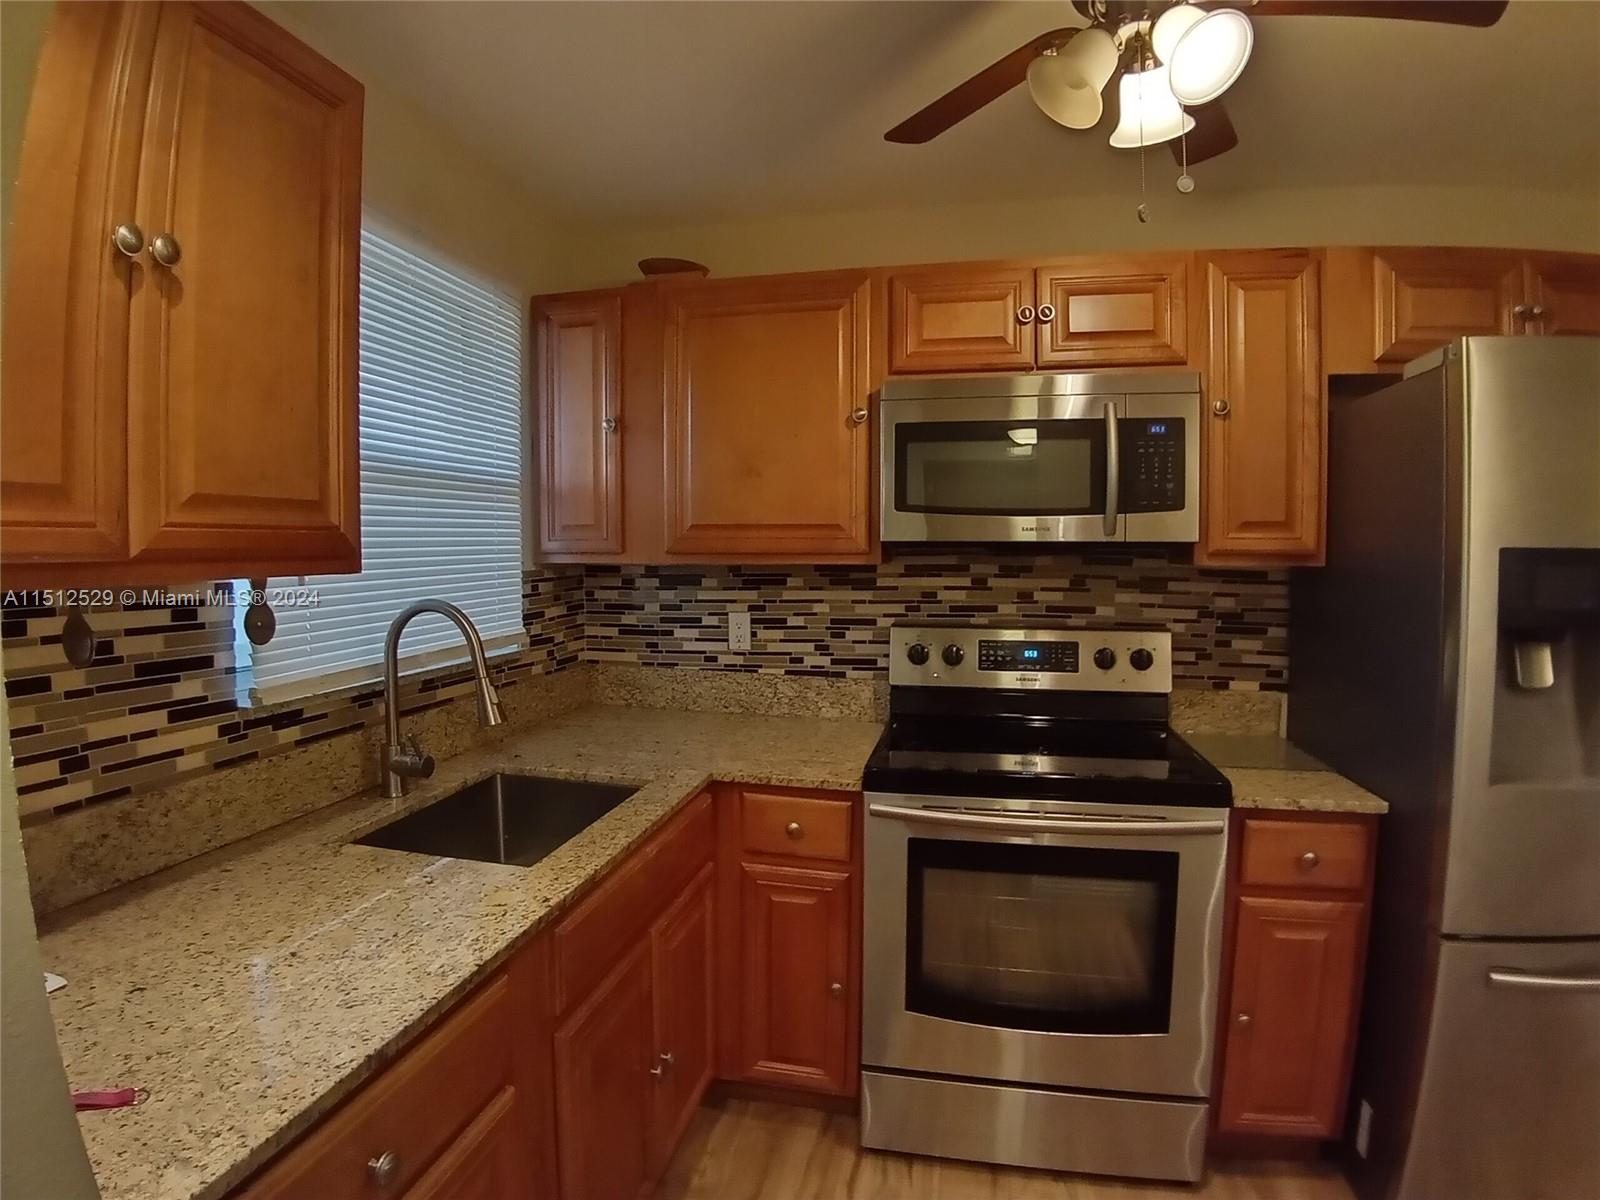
242	389
1566	290
1425	297
960	319
1115	312
603	1086
489	1161
682	971
1296	971
1264	448
761	379
63	460
796	994
579	351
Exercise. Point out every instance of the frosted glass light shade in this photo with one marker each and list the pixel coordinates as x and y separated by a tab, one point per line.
1172	25
1209	56
1066	85
1149	108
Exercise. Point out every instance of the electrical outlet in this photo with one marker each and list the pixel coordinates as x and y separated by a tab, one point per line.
739	629
1363	1128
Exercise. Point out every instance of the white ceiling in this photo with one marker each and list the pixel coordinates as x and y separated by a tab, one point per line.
666	111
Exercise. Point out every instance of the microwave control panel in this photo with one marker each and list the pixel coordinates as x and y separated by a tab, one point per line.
1152	464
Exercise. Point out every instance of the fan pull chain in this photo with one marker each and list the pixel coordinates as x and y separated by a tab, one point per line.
1142	211
1185	180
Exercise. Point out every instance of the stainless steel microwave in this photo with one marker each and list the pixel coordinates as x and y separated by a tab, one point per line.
1041	458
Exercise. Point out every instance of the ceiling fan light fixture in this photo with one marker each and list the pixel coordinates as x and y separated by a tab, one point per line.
1209	55
1170	26
1150	112
1066	85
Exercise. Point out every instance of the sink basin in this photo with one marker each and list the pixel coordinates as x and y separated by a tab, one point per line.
502	819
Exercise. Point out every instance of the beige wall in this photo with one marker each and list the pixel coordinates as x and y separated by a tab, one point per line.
1087	224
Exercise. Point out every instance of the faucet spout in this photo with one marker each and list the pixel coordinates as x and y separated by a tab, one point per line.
401	761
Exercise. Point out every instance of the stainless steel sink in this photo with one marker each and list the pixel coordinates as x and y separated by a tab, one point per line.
502	819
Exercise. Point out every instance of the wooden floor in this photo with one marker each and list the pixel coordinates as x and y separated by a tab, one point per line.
745	1150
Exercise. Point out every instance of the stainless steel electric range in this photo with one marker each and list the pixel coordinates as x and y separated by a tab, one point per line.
1043	908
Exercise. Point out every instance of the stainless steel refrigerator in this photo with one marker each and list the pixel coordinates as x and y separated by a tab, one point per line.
1447	657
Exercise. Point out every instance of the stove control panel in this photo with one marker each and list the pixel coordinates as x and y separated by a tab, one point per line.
1031	657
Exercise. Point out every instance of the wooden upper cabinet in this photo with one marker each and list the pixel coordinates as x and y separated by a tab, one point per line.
766	391
1563	293
578	372
180	401
242	376
1264	415
1425	297
961	318
1296	981
1124	311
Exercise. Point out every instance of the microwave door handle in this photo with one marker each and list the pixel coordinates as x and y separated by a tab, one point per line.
1113	469
1547	983
1042	824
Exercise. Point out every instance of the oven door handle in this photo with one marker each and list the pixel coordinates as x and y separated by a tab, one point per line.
1043	824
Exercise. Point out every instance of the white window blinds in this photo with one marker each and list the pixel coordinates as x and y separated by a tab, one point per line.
441	481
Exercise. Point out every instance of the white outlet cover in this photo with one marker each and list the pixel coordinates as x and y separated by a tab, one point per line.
739	629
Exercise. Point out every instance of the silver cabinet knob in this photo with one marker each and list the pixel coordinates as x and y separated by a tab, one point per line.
1047	313
1309	859
384	1169
1536	311
1242	1020
1520	311
794	831
609	424
1025	314
858	416
165	250
128	238
1221	407
836	988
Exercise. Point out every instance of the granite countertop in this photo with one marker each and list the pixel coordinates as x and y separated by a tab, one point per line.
1272	772
252	989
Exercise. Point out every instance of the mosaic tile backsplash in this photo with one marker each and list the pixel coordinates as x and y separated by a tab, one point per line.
158	702
1230	628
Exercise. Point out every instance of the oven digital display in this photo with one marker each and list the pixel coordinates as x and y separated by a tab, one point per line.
1027	656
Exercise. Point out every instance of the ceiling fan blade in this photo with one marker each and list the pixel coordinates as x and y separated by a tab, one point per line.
989	84
1478	13
1213	134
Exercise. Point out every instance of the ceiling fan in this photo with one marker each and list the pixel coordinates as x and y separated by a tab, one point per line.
1176	58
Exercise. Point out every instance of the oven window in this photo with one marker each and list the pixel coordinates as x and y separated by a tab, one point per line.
1050	938
1001	468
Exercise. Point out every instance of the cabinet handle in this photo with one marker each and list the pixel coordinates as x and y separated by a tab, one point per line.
128	238
165	250
1242	1020
858	416
384	1169
1221	407
663	1061
609	424
1536	311
1519	311
836	988
1025	314
1309	860
794	831
1047	313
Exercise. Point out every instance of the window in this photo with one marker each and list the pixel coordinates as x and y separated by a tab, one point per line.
441	482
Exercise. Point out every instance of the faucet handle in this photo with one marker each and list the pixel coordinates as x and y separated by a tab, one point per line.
408	759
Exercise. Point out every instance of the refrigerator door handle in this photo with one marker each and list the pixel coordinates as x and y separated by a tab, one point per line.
1545	983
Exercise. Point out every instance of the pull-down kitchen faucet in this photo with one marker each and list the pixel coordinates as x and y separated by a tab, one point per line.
406	760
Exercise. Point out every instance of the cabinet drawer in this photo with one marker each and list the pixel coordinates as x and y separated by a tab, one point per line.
795	826
588	942
1304	854
414	1110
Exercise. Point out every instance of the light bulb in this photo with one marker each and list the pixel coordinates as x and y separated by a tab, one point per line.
1150	112
1209	55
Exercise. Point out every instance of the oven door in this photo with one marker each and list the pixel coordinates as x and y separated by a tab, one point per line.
1002	469
1071	945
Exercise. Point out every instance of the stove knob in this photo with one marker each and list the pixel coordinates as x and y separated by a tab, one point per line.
1141	660
952	655
1105	658
917	654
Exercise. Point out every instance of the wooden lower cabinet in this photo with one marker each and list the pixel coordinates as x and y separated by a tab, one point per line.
1301	892
795	994
489	1161
683	982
